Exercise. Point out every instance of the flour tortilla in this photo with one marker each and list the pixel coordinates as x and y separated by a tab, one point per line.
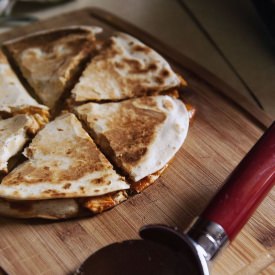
14	134
51	60
140	135
14	98
63	162
126	68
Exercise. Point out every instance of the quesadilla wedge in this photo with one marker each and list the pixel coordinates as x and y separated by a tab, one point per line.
63	162
51	60
14	134
140	135
14	99
126	68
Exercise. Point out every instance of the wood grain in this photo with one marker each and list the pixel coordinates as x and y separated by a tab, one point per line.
225	129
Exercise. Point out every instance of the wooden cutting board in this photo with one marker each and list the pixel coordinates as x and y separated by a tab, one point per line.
225	128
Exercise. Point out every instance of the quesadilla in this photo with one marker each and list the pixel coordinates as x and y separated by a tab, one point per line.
63	162
140	135
136	122
14	134
14	97
126	68
51	60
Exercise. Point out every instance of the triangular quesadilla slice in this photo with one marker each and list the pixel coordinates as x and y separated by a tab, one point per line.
140	135
14	134
52	60
126	68
14	99
63	162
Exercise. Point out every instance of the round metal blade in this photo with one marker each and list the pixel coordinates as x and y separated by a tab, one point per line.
138	257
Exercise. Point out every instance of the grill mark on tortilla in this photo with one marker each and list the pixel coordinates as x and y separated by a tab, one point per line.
72	39
120	146
67	185
132	126
90	161
110	156
139	48
133	69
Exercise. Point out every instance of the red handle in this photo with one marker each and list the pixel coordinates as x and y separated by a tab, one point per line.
246	187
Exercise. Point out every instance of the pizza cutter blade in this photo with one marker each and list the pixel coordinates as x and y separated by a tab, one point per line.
165	250
138	257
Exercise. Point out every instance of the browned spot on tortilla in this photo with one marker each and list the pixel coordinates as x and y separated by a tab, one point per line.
140	48
15	193
165	73
82	189
67	186
136	67
58	129
159	80
54	193
131	130
152	67
167	104
131	62
119	65
85	158
132	158
99	181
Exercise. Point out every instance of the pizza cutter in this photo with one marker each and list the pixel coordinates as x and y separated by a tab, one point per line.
166	250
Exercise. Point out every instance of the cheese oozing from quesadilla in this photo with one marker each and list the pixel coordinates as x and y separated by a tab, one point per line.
51	60
13	96
14	133
140	135
63	162
126	68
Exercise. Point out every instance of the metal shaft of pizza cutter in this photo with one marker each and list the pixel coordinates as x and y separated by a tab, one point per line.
231	207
